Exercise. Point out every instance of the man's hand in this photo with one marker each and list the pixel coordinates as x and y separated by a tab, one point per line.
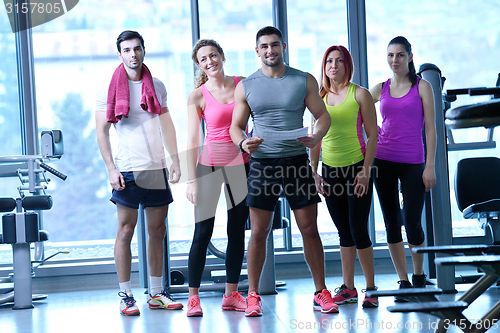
116	180
251	144
309	141
175	172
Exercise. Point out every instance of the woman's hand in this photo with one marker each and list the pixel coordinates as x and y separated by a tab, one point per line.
361	183
192	191
320	185
429	178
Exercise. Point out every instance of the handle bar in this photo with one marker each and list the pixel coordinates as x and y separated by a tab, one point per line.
53	171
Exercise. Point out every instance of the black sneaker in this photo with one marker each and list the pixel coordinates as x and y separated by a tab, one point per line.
419	281
403	284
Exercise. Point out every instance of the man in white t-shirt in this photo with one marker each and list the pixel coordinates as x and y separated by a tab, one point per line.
138	173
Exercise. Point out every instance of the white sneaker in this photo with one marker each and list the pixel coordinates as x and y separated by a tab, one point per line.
128	306
163	300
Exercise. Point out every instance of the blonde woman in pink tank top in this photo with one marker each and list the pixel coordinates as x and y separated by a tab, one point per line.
220	162
407	107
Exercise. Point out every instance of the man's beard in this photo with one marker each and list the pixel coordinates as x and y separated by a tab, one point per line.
276	62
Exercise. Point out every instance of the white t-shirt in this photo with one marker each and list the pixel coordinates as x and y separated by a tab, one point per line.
140	145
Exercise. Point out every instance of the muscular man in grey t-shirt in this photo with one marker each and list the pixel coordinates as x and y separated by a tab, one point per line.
276	97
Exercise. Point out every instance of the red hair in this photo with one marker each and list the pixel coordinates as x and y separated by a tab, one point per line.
348	64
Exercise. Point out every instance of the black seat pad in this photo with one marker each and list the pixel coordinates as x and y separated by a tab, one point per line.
7	204
485	207
485	114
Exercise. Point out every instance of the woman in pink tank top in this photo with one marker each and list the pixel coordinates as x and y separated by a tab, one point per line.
406	106
220	162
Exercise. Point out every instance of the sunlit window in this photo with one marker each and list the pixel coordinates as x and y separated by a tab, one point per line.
75	55
10	120
312	28
464	48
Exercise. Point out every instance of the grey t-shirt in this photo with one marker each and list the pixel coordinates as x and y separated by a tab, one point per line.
277	104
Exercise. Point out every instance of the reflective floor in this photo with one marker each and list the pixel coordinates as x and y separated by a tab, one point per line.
288	311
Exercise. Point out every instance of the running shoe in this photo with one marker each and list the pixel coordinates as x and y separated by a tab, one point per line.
128	306
419	281
254	305
163	300
370	302
344	295
403	284
234	302
194	307
323	302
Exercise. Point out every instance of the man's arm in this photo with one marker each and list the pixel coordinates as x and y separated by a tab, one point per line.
317	107
170	142
102	130
241	113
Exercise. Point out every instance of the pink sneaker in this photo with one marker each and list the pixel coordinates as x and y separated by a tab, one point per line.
254	305
194	308
344	295
323	302
234	302
370	302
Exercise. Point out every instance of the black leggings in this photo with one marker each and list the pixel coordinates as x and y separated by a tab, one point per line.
386	175
349	213
210	179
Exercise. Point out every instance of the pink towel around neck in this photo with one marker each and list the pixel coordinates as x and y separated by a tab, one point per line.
118	102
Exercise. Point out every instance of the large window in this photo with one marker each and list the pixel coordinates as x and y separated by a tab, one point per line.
74	56
233	24
10	119
313	27
465	47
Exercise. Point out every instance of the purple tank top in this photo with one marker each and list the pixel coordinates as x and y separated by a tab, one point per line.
400	136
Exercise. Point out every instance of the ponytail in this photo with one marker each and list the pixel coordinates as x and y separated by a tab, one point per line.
200	78
412	73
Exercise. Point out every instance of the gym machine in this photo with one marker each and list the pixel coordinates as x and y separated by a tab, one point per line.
22	227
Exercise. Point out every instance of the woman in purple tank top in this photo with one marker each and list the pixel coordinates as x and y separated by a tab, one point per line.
219	162
406	106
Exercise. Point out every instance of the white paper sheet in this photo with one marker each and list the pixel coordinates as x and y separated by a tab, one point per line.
282	135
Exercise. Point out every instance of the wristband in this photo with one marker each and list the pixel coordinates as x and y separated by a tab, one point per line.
240	146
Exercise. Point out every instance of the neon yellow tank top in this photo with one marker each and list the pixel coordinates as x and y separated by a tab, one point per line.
344	144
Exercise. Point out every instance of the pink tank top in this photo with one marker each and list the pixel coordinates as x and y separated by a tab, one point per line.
400	136
218	148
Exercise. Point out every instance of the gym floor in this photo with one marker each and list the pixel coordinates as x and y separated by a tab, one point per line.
93	309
